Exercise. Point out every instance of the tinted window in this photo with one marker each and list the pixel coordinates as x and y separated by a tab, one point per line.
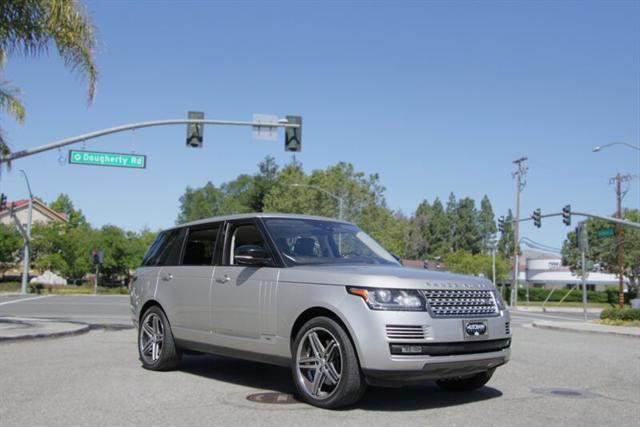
150	257
168	252
200	246
310	241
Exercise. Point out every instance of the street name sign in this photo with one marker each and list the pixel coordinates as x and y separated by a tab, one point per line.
605	232
98	158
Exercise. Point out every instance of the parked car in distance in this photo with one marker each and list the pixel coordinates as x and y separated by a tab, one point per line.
317	295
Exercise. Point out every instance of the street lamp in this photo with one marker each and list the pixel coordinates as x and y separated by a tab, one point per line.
600	147
322	190
27	239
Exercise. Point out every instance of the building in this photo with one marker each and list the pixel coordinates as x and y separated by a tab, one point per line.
544	270
41	213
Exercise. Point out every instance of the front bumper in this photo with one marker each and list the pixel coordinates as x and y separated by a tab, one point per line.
446	350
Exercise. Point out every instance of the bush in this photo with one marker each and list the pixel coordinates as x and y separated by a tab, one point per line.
616	313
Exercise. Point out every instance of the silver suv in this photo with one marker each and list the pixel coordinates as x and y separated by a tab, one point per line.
319	296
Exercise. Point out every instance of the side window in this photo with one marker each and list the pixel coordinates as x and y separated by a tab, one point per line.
201	245
243	234
151	256
169	250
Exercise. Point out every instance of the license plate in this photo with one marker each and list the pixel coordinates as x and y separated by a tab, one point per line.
474	329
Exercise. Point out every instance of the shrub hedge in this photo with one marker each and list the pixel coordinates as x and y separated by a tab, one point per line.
616	313
610	295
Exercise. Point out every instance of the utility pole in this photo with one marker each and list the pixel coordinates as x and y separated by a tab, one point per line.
520	184
582	238
619	179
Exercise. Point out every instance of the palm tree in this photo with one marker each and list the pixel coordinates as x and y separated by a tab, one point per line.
30	28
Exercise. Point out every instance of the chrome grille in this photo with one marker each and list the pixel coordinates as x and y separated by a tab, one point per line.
408	332
460	302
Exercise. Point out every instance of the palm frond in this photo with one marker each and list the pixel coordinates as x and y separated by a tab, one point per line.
28	26
10	103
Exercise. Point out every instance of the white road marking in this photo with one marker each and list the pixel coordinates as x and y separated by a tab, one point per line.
25	299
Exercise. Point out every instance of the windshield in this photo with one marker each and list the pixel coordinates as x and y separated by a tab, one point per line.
310	241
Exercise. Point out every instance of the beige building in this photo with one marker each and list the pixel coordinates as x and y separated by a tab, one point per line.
41	213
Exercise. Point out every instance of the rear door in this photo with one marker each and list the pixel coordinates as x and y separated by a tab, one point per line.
187	285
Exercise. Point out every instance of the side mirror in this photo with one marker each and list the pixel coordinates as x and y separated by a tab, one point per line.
251	255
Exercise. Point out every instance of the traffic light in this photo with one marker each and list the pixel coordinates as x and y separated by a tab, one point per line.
195	131
501	224
94	255
537	218
3	202
566	215
293	136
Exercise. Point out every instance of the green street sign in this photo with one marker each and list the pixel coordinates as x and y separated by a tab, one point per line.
97	158
605	232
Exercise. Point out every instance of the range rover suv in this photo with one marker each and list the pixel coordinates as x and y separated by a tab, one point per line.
319	296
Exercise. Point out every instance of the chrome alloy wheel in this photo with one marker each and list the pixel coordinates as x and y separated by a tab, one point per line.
151	338
319	363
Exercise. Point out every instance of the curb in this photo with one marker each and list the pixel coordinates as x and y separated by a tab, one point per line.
73	329
558	326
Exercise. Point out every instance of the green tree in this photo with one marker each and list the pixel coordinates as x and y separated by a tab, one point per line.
506	244
487	224
29	28
63	249
465	262
262	183
602	253
10	245
452	220
64	205
466	232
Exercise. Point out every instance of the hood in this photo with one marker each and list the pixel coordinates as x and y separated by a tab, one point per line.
379	276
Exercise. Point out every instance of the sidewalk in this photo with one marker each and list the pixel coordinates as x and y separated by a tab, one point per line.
588	327
556	309
20	328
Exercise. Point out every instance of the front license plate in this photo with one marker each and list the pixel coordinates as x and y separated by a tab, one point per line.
475	329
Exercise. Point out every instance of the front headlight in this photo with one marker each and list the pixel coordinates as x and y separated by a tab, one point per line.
390	299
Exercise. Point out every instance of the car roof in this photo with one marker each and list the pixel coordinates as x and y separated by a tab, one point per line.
252	216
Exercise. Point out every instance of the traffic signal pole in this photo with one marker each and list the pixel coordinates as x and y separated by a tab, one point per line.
519	175
620	241
282	123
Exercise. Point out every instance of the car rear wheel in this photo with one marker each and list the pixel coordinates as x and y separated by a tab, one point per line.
156	346
469	383
325	368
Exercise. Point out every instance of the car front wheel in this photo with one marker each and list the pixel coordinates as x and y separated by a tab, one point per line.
326	371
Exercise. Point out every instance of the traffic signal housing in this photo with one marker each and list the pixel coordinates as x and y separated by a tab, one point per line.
566	215
501	224
195	131
537	218
3	202
293	136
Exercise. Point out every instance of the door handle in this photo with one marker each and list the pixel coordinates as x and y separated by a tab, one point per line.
223	279
167	277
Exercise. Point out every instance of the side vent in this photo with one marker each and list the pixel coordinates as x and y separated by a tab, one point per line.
507	328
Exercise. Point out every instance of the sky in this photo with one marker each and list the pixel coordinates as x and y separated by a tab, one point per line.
435	97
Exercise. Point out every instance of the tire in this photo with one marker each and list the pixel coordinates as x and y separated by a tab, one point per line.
325	366
156	347
466	383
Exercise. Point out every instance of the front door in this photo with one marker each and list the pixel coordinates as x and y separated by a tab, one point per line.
243	297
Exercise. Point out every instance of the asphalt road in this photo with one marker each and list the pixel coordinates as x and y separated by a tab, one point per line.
554	378
114	309
91	309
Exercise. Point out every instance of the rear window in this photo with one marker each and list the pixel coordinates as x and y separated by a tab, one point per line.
201	245
165	250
